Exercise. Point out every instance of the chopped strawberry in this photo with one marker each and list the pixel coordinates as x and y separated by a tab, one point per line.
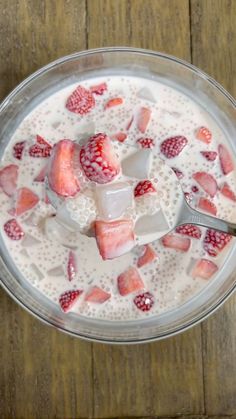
98	159
47	200
113	102
130	123
147	257
68	299
41	141
13	230
204	134
80	101
114	238
207	206
25	200
8	179
227	192
41	149
209	155
144	301
176	242
119	136
99	89
178	173
215	241
226	161
173	146
71	266
188	196
129	281
195	189
18	149
189	230
61	175
146	142
143	187
204	269
207	182
144	116
41	175
97	295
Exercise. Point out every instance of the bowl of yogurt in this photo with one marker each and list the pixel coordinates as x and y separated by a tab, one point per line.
84	143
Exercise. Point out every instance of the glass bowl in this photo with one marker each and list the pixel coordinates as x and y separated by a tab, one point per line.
150	64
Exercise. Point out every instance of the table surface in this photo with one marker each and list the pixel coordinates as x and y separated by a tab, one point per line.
46	374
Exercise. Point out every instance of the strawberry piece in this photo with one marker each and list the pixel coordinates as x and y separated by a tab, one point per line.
8	179
97	295
143	119
41	149
173	146
130	123
120	136
144	301
209	155
227	192
99	89
61	176
18	149
207	182
41	175
41	141
195	189
80	101
68	299
13	230
129	281
207	206
215	241
113	102
226	161
147	257
98	159
189	230
144	187
178	172
71	266
204	269
176	242
188	196
146	142
114	238
204	134
25	200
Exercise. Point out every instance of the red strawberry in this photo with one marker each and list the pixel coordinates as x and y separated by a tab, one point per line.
25	200
97	295
120	136
209	155
80	101
130	123
18	149
99	89
113	102
8	179
178	173
226	161
61	176
204	134
215	241
114	238
207	206
147	257
13	230
227	192
98	159
195	189
41	175
41	149
143	187
144	301
71	266
204	269
41	141
144	116
68	299
189	230
146	142
207	182
129	281
176	242
173	146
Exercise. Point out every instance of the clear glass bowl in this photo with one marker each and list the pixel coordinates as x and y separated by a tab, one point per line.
150	64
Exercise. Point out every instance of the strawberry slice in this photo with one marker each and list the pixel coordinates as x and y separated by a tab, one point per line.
144	117
41	175
178	172
41	141
204	134
207	206
176	242
114	238
71	266
99	89
61	176
215	241
18	149
226	161
172	147
144	302
146	142
8	179
97	295
189	230
119	136
80	101
41	149
98	159
13	230
209	155
68	299
147	257
25	200
113	102
207	182
143	187
130	123
204	269
227	192
129	281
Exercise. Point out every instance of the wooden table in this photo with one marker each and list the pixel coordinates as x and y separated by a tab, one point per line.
46	374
